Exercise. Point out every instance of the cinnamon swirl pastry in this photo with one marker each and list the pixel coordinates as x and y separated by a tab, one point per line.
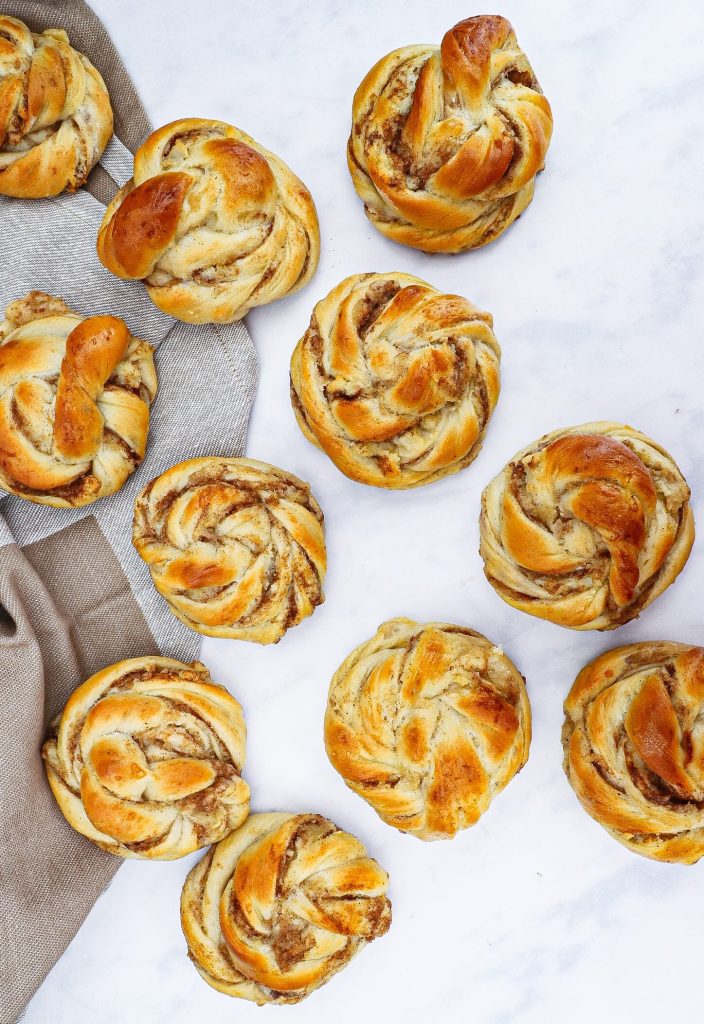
235	546
427	723
75	395
211	222
586	526
146	759
282	904
395	381
634	747
55	113
446	141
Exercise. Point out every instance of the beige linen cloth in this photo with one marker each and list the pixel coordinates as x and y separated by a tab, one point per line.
74	596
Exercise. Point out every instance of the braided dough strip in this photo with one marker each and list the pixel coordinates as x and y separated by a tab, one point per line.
395	381
427	722
235	546
587	526
75	396
55	113
634	747
275	910
146	759
446	141
212	223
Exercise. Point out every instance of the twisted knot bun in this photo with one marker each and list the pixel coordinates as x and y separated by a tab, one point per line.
446	142
427	723
586	526
235	546
55	114
394	380
277	908
634	747
74	402
145	759
211	222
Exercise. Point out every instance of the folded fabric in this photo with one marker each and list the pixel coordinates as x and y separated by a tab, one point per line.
74	596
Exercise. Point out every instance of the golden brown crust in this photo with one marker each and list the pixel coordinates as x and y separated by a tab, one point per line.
236	547
275	910
587	526
55	113
146	759
427	723
634	747
394	380
446	141
212	223
75	396
144	224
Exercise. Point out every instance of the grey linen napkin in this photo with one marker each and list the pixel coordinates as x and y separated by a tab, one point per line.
74	595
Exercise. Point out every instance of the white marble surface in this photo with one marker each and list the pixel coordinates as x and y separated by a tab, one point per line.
535	914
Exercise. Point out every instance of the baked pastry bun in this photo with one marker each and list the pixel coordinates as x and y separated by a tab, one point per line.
394	380
75	395
282	904
55	113
446	141
146	759
236	547
211	222
634	747
427	722
586	526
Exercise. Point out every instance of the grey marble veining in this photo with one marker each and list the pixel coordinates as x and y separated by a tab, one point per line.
535	915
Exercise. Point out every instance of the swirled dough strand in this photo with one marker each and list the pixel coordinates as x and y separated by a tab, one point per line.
395	381
275	910
634	747
427	723
446	141
75	396
236	547
587	526
55	114
211	222
146	759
